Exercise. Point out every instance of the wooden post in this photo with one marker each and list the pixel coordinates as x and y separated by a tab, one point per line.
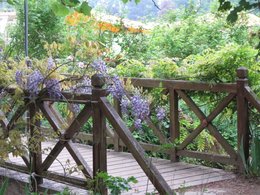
242	115
35	147
174	121
99	132
117	106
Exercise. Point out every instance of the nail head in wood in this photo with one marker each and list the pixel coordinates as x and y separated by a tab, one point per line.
98	80
242	73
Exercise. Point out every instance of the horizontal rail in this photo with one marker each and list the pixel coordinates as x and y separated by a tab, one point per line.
184	85
75	181
209	157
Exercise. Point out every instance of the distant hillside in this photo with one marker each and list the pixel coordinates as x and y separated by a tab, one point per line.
146	8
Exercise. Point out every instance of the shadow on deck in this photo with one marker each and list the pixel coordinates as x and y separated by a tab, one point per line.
123	164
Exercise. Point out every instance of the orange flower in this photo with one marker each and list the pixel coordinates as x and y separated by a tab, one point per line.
75	18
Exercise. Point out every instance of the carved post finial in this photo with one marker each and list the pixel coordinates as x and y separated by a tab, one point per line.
242	73
98	80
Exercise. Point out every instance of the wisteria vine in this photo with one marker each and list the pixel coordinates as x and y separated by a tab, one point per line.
136	105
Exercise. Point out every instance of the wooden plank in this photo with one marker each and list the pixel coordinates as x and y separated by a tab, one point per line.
224	143
52	155
15	167
174	173
174	121
205	123
252	97
48	114
82	183
117	146
78	122
99	141
156	130
208	157
191	104
192	136
184	85
67	97
194	180
242	116
185	175
99	133
55	113
35	139
74	152
135	148
208	180
138	172
220	107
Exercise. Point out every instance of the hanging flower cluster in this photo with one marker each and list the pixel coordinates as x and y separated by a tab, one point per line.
138	105
35	81
160	113
135	105
140	109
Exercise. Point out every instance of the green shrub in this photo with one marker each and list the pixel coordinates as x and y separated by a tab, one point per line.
44	26
164	68
221	65
195	34
131	68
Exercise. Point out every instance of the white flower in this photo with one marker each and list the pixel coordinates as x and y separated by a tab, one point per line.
70	58
81	65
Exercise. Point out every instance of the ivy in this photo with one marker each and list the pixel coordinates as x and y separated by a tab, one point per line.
225	5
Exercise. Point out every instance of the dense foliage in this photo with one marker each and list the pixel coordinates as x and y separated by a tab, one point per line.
44	27
183	44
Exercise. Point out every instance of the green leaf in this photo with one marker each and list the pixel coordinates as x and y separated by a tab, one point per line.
233	16
4	186
59	9
225	6
12	2
85	8
125	1
71	3
137	1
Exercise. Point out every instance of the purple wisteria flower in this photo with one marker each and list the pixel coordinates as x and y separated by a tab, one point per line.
117	89
100	66
125	105
19	78
138	123
51	63
75	108
53	88
140	109
160	113
83	87
33	82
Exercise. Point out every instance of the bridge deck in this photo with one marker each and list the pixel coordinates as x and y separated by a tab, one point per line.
124	165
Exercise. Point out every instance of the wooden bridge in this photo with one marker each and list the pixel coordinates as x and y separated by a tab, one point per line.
153	174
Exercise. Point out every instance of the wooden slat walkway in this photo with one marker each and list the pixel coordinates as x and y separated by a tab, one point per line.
124	165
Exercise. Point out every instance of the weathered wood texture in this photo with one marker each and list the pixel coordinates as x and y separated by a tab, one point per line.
98	107
125	165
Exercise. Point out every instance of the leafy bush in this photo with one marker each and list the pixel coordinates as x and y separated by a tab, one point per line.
44	26
195	34
221	65
131	68
164	68
116	185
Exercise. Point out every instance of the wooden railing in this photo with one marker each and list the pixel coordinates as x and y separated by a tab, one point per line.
98	107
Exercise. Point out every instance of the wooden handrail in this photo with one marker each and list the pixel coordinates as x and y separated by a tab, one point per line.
183	85
98	107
